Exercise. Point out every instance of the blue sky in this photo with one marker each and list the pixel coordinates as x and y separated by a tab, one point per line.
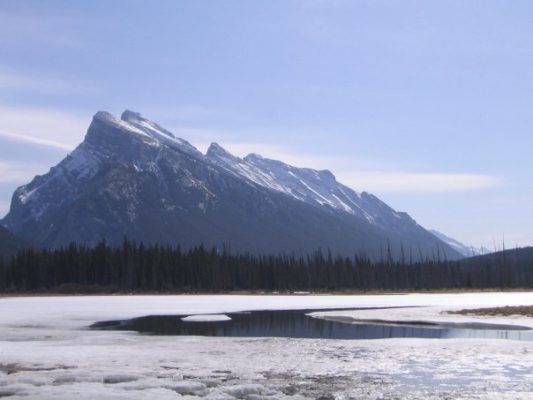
426	104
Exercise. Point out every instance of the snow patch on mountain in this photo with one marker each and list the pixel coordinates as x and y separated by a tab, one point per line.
156	132
243	169
318	188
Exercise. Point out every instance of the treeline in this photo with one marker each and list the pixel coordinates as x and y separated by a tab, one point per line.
139	268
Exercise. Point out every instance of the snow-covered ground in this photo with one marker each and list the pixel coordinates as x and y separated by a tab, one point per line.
47	352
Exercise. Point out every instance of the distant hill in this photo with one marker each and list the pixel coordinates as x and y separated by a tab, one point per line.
511	257
131	177
9	243
467	251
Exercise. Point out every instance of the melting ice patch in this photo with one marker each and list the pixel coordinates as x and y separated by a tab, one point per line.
206	318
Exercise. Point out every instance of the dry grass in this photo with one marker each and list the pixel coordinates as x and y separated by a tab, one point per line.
526	311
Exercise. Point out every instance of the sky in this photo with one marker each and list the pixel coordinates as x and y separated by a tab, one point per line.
426	104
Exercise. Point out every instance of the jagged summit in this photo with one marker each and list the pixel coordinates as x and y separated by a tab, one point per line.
216	151
253	156
104	116
129	115
105	121
132	177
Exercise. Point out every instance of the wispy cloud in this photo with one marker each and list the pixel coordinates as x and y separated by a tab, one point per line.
47	127
19	137
415	182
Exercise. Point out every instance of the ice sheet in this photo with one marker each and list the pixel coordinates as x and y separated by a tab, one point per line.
46	352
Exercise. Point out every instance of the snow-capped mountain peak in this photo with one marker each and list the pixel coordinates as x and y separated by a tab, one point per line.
130	176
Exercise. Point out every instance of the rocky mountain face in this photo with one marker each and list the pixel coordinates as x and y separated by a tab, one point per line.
131	177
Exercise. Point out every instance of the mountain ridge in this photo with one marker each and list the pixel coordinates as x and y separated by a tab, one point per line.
131	177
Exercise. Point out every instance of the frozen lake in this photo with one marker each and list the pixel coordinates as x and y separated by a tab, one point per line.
47	350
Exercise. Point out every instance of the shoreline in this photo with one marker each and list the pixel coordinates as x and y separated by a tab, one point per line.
53	293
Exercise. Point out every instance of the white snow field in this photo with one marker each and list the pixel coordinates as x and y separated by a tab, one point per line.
47	352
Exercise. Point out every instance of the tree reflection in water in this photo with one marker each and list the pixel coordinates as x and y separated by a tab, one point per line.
296	324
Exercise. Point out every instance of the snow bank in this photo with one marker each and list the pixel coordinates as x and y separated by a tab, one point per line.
80	311
206	318
436	310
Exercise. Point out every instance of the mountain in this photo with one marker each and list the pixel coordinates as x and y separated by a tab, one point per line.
9	243
463	249
132	177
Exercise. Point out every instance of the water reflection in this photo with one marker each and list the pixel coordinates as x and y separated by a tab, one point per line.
296	324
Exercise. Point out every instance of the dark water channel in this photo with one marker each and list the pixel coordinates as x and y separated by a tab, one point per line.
296	324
